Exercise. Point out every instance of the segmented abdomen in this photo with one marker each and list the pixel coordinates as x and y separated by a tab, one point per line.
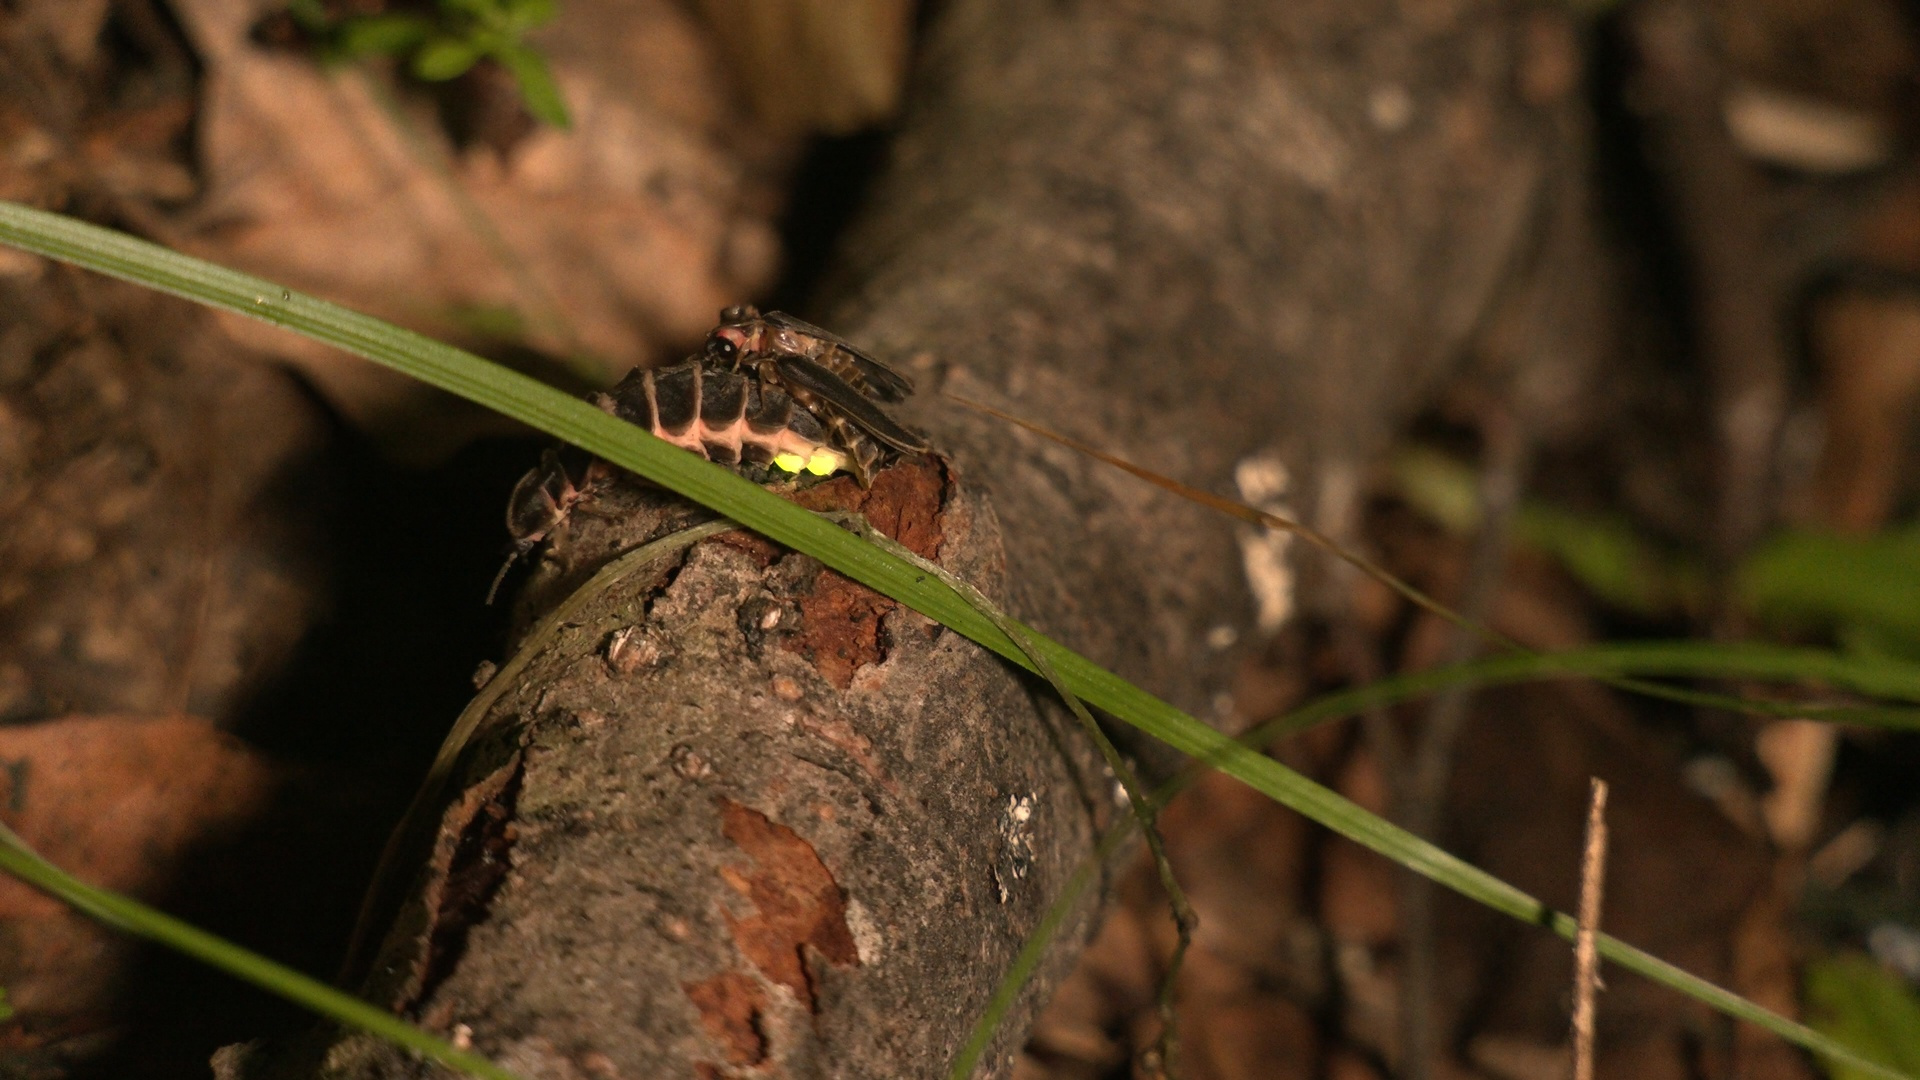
727	417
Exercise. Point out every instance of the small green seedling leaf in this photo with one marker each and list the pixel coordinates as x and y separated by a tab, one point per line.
448	43
1603	552
527	14
1869	585
538	91
1857	1002
444	58
381	35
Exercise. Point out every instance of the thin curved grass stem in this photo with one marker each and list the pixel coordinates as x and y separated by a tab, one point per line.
1672	658
1411	594
1144	812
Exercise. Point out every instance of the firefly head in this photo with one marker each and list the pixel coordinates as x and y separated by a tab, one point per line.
726	344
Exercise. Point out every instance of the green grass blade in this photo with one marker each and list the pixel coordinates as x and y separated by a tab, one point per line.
1679	658
1033	950
1851	995
135	918
505	391
1872	676
1291	789
623	444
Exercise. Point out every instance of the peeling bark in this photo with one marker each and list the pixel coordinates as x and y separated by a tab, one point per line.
758	821
719	858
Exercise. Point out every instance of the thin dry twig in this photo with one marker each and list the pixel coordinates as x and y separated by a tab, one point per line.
1586	957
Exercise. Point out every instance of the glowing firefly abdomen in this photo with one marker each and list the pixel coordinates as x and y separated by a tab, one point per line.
727	417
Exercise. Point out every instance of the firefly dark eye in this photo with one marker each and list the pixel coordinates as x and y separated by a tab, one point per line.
720	348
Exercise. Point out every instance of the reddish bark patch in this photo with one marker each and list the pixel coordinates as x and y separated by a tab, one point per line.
731	1005
841	734
798	904
123	802
904	502
839	628
840	619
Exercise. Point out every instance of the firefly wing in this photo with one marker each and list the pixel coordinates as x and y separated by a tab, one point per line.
812	376
886	384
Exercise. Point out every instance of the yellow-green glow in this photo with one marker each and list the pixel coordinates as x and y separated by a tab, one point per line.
792	463
823	462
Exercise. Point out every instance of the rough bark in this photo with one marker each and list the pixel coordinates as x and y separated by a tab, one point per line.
743	818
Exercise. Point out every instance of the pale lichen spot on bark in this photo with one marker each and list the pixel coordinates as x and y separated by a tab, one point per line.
867	938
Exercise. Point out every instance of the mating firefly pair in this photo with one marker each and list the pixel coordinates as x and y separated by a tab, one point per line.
767	392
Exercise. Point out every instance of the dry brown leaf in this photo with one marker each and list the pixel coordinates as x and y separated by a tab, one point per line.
118	802
833	66
1679	876
1868	349
1357	892
613	243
